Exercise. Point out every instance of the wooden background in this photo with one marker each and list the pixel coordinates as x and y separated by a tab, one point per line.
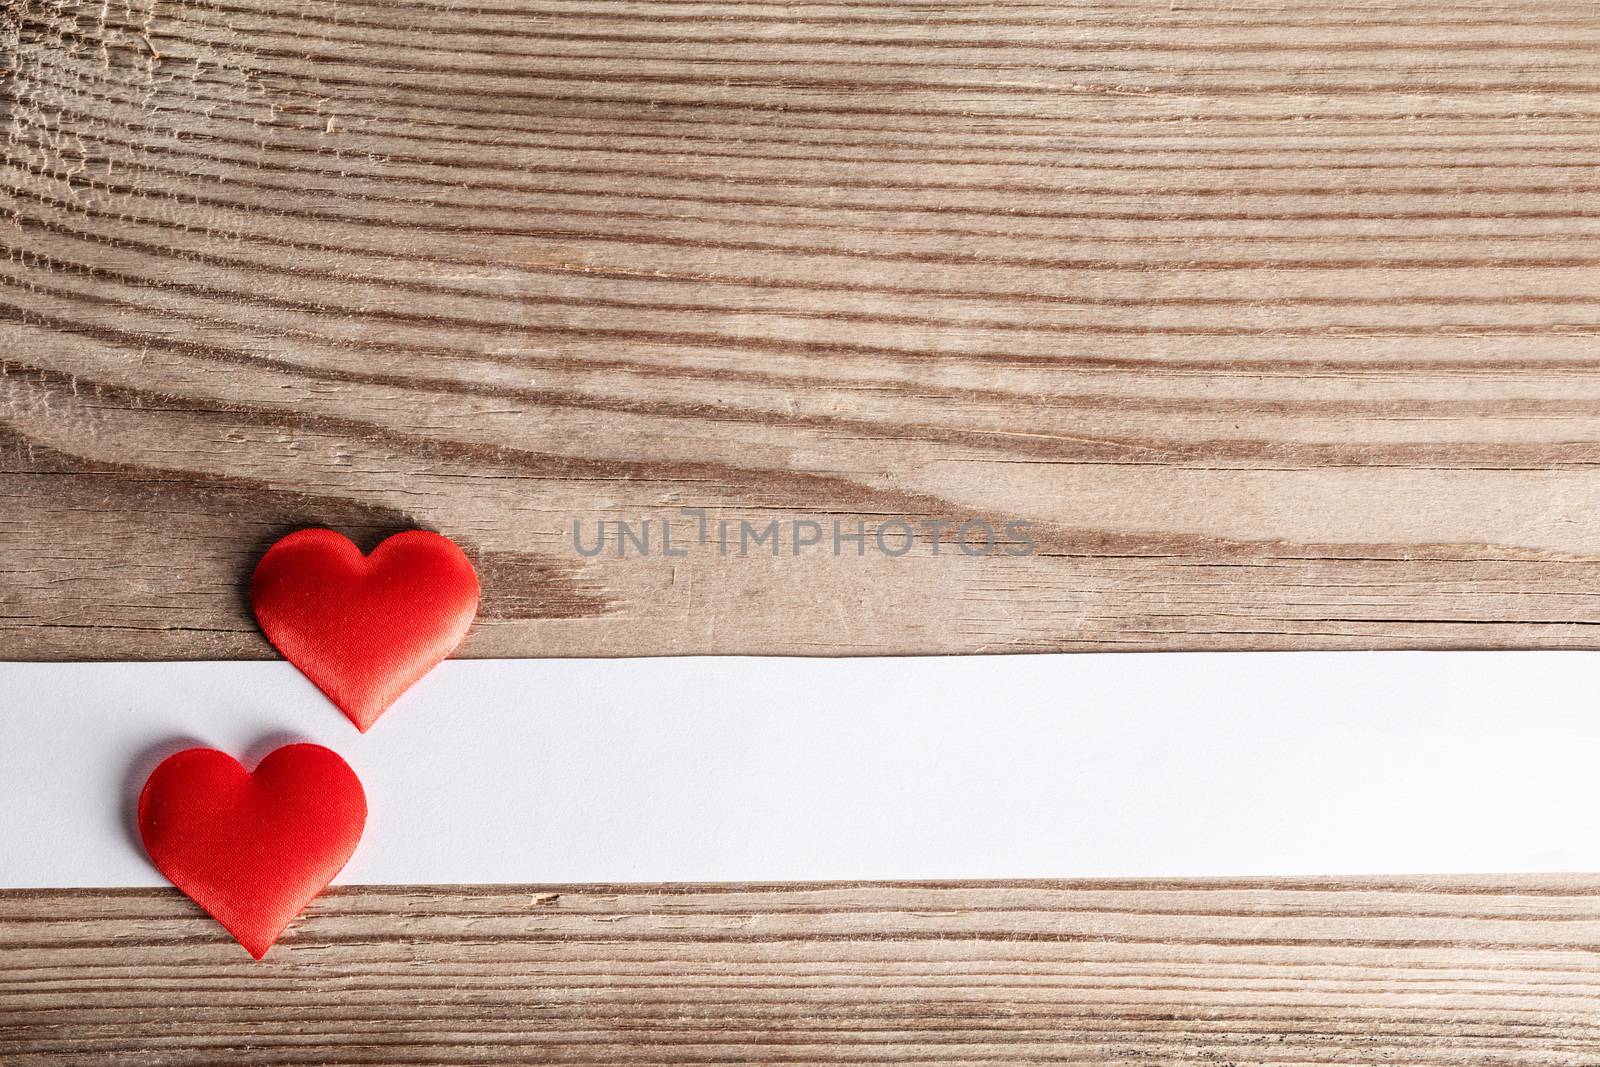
1277	321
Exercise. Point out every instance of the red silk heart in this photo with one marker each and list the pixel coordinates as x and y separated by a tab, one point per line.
252	848
364	629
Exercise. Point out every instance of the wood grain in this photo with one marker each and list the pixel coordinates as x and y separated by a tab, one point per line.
1437	973
1277	322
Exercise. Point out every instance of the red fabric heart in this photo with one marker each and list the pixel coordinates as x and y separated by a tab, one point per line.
252	849
364	628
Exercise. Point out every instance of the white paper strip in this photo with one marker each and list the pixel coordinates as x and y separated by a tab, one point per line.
796	769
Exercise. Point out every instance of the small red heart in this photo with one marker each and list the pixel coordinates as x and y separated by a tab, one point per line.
252	849
364	629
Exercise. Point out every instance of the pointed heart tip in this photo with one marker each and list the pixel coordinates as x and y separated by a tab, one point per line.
363	718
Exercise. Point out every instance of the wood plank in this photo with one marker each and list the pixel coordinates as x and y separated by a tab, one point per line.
1422	972
1275	322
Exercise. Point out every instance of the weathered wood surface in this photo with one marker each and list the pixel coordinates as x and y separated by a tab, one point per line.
1439	973
1277	322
